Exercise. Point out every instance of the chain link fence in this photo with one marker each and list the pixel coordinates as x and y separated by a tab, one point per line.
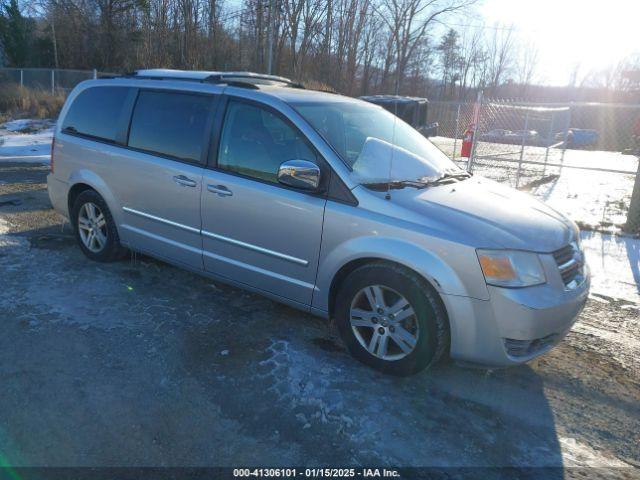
580	156
49	79
453	119
518	144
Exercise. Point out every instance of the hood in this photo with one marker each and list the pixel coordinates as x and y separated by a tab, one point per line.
487	214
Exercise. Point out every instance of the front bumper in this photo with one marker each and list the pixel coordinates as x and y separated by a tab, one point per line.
515	324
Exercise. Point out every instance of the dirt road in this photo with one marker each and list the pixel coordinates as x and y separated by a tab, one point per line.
139	363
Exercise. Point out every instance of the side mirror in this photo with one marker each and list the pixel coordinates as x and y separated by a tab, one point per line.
301	174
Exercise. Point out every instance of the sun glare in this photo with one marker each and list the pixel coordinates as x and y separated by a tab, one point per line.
591	35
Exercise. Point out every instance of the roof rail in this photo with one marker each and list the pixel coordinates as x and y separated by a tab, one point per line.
248	76
187	79
238	79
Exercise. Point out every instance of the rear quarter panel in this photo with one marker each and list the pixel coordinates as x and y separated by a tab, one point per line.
79	160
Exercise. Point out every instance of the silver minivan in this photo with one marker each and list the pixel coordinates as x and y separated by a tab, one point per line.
327	203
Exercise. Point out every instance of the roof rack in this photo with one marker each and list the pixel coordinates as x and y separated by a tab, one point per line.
392	99
238	79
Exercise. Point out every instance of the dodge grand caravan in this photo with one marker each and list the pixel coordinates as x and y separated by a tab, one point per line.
327	203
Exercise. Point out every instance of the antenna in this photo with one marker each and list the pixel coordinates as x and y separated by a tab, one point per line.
393	136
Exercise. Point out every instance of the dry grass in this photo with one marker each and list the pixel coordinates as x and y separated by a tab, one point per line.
17	101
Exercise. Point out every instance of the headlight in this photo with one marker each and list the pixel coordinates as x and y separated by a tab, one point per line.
511	268
576	235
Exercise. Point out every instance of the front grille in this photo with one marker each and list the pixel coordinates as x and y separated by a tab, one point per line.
564	254
570	263
525	348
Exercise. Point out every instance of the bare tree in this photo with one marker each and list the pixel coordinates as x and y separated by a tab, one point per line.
351	45
303	19
371	40
472	56
408	22
500	51
526	64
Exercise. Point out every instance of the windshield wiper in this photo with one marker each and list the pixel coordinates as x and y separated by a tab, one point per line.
396	185
399	184
450	178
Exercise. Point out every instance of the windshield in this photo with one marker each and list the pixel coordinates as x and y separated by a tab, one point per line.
378	146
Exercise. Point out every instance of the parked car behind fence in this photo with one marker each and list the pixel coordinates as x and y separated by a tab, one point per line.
579	137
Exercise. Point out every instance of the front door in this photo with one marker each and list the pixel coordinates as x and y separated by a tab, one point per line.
254	230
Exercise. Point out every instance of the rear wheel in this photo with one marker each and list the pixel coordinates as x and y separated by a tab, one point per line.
95	229
391	319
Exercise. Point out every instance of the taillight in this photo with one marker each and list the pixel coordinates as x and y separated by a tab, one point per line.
53	146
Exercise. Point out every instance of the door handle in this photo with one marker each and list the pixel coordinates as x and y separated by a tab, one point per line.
221	190
184	181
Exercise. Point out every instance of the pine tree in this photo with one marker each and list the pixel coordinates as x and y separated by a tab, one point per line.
449	50
15	34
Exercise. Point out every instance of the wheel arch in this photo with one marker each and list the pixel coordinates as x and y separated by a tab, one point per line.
74	193
343	273
83	180
356	263
343	259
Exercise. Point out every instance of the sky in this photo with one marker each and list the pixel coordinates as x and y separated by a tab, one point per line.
592	33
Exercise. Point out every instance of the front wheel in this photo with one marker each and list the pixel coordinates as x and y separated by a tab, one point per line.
391	319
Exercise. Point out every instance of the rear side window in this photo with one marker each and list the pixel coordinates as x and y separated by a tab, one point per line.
171	124
96	112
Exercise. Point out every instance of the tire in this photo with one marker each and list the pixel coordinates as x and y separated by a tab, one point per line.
110	250
428	325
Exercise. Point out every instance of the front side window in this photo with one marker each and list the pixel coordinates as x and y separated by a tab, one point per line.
255	142
171	124
96	113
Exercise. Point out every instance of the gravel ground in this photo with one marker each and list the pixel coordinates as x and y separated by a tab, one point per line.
138	363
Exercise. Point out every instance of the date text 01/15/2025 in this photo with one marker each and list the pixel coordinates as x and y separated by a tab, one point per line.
316	472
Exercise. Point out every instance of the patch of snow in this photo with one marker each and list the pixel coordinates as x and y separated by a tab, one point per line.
4	227
28	124
25	147
600	159
591	197
615	264
17	125
575	454
9	243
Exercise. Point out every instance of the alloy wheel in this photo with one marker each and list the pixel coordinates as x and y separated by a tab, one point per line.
384	322
92	226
